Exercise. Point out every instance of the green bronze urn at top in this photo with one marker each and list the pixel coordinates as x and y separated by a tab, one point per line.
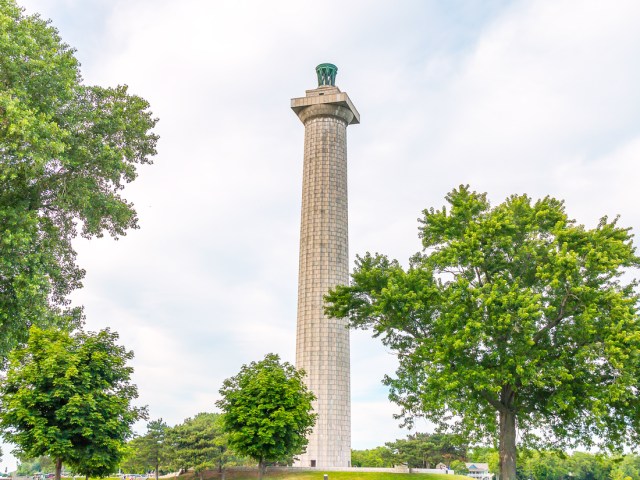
326	74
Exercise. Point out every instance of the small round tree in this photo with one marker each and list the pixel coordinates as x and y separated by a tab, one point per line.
68	396
267	411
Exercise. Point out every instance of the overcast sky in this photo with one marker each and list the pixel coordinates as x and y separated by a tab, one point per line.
508	96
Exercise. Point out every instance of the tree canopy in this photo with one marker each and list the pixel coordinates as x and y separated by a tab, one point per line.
379	457
66	151
134	460
69	397
149	451
267	411
199	443
424	450
511	316
418	450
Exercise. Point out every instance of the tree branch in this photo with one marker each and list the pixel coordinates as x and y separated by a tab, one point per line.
554	322
491	400
480	282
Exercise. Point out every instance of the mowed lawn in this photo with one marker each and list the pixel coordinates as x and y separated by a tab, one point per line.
319	475
360	476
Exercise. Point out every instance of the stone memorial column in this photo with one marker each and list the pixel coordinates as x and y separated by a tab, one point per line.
322	343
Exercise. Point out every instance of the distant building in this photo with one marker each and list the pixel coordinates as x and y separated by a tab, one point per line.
479	471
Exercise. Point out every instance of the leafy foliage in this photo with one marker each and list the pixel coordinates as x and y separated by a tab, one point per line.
199	443
29	466
488	455
134	461
512	315
423	450
543	465
380	457
66	150
627	468
459	467
148	452
267	411
69	397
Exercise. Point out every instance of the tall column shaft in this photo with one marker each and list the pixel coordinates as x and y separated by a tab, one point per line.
322	343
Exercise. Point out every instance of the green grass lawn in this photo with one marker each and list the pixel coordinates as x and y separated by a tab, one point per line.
319	475
360	476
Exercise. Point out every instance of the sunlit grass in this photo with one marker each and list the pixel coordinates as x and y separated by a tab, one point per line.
319	475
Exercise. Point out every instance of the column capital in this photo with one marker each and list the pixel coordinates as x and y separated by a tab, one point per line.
325	95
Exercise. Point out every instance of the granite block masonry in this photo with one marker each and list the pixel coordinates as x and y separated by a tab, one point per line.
322	343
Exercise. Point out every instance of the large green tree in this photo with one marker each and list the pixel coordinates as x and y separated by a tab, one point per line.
66	151
199	443
267	411
68	396
513	319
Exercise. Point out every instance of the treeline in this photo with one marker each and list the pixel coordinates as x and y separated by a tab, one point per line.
423	450
198	444
577	466
420	450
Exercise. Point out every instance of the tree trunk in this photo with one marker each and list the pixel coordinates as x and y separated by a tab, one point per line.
157	467
507	445
58	468
262	466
